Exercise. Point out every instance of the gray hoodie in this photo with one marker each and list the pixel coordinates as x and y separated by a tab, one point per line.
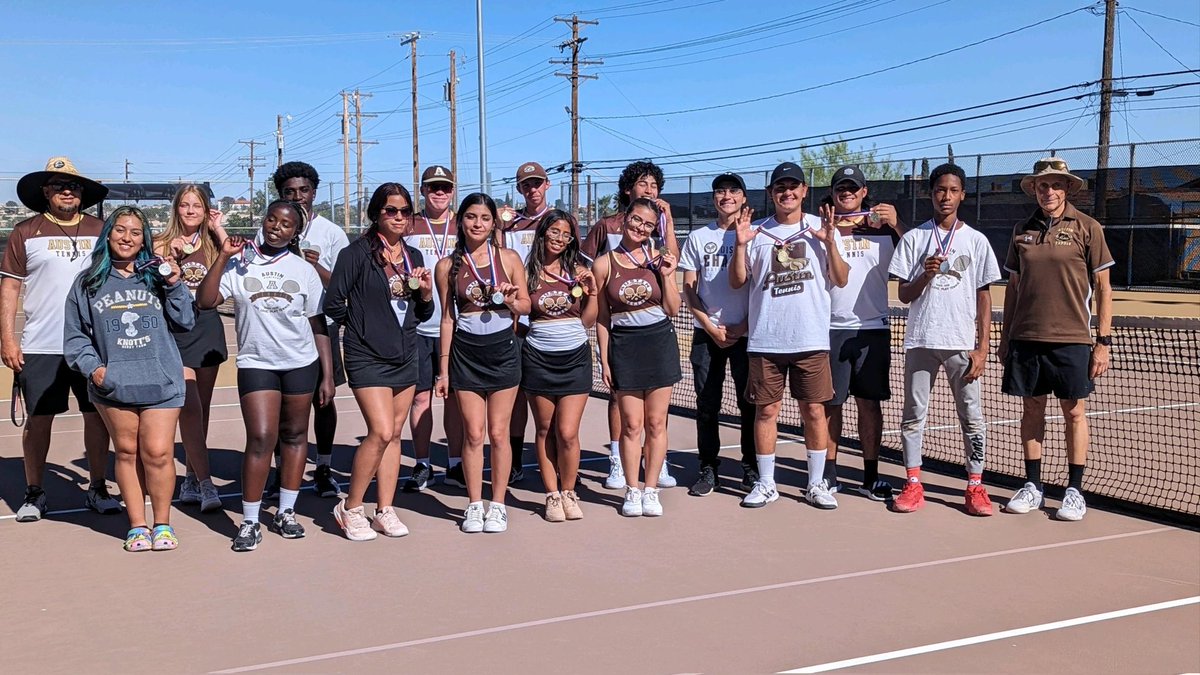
124	327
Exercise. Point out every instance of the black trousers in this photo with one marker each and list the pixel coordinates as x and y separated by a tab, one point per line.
708	371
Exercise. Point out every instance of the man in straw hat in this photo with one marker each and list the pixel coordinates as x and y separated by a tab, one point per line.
1057	260
46	253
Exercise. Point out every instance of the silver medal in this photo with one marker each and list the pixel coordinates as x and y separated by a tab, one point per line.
164	269
497	298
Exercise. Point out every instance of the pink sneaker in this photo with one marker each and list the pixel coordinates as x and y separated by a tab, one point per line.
353	522
388	523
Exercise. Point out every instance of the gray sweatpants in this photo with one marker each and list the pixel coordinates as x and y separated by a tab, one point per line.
920	372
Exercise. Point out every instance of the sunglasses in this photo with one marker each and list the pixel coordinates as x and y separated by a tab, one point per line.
64	186
1055	164
392	212
444	188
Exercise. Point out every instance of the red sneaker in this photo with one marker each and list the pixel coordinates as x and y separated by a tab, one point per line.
911	498
978	502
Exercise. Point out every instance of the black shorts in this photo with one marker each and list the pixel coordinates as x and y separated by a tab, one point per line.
641	358
860	362
294	382
204	345
335	351
557	373
429	362
1039	368
485	363
45	381
374	373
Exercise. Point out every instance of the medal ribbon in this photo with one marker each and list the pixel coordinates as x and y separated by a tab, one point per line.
407	271
943	245
195	238
645	249
521	215
781	243
261	258
566	279
491	269
149	264
438	245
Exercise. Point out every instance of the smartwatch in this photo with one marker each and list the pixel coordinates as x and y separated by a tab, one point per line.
1105	340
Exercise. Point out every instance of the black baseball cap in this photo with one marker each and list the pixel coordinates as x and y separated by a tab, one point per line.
729	178
852	174
787	170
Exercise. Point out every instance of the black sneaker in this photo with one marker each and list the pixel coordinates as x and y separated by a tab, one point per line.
705	483
455	478
273	485
879	491
248	537
285	524
749	476
324	483
419	479
34	507
517	474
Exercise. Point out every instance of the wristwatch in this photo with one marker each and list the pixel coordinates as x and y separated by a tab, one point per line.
1105	340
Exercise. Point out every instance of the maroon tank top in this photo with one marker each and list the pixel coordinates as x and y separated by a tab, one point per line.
470	294
553	300
631	289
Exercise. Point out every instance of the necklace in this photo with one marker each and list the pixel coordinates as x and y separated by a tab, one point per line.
62	227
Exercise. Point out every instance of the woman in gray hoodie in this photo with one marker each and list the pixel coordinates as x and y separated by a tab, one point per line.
118	318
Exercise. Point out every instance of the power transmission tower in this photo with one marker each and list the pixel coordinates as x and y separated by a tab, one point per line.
452	97
251	163
411	39
574	44
1100	208
358	143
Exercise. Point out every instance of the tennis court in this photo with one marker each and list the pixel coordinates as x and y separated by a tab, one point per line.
708	588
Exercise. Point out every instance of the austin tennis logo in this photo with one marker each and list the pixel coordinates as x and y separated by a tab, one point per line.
474	293
554	303
790	268
635	292
193	273
951	273
272	293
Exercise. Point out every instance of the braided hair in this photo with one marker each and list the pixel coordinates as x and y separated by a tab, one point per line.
460	242
568	260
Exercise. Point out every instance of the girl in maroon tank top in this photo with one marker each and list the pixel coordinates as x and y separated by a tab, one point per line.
482	287
639	352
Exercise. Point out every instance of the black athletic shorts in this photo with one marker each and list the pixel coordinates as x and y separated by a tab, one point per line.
429	363
45	381
1039	368
860	361
292	382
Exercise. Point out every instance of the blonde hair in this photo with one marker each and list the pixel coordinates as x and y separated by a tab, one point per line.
175	225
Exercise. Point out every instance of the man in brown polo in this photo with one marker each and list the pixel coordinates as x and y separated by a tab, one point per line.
45	253
1057	261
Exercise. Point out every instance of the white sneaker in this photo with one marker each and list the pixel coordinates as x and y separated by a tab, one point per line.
497	519
650	504
1027	499
189	490
665	479
210	499
616	474
473	519
819	496
761	495
633	502
1073	506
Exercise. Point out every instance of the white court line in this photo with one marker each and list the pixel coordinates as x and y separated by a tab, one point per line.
532	465
992	637
681	601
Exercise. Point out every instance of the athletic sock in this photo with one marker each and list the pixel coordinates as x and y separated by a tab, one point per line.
766	468
478	503
250	511
816	466
323	460
831	474
870	471
914	474
1033	472
974	479
287	499
614	449
1075	476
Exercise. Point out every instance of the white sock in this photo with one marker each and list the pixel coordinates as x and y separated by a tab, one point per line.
766	468
478	503
250	511
816	466
323	460
455	461
499	507
287	499
614	449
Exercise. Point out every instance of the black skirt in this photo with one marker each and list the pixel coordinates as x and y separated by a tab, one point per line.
375	373
204	345
484	363
644	357
557	373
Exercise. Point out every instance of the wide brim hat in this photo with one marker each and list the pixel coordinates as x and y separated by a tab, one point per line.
1052	166
29	188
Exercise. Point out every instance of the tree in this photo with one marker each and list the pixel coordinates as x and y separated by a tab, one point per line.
604	205
10	204
823	160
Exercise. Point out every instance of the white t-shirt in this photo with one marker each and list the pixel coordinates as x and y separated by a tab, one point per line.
521	241
788	300
272	306
943	317
435	241
324	237
863	303
707	252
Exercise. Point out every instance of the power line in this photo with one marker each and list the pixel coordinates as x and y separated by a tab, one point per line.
1162	16
1160	46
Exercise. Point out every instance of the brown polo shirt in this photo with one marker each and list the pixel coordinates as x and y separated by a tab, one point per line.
1057	263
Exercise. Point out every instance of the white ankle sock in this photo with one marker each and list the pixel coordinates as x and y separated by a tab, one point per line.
766	468
816	466
287	499
250	511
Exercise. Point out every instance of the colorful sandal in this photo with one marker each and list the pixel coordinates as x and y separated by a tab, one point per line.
164	538
138	539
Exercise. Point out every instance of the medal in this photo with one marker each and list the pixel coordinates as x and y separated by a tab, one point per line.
944	267
189	247
247	256
574	287
304	245
781	245
506	216
406	273
577	291
497	297
254	253
942	245
158	265
872	217
781	253
414	283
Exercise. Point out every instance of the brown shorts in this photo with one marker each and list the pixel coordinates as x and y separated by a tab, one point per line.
807	372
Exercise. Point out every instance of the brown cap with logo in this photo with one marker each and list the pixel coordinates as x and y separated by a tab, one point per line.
531	170
437	174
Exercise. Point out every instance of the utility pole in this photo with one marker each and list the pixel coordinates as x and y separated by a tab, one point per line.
452	97
278	140
126	169
345	161
1100	189
483	183
251	163
358	143
574	44
411	39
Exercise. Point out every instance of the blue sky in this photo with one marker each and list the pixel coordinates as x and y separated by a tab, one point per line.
172	87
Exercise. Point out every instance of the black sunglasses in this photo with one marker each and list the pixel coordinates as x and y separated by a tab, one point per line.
63	186
391	211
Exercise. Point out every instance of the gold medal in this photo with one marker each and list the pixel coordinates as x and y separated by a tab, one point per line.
188	249
781	254
577	291
414	283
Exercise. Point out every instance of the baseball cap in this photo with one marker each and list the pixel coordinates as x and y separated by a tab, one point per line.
848	173
729	178
531	170
787	170
437	174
